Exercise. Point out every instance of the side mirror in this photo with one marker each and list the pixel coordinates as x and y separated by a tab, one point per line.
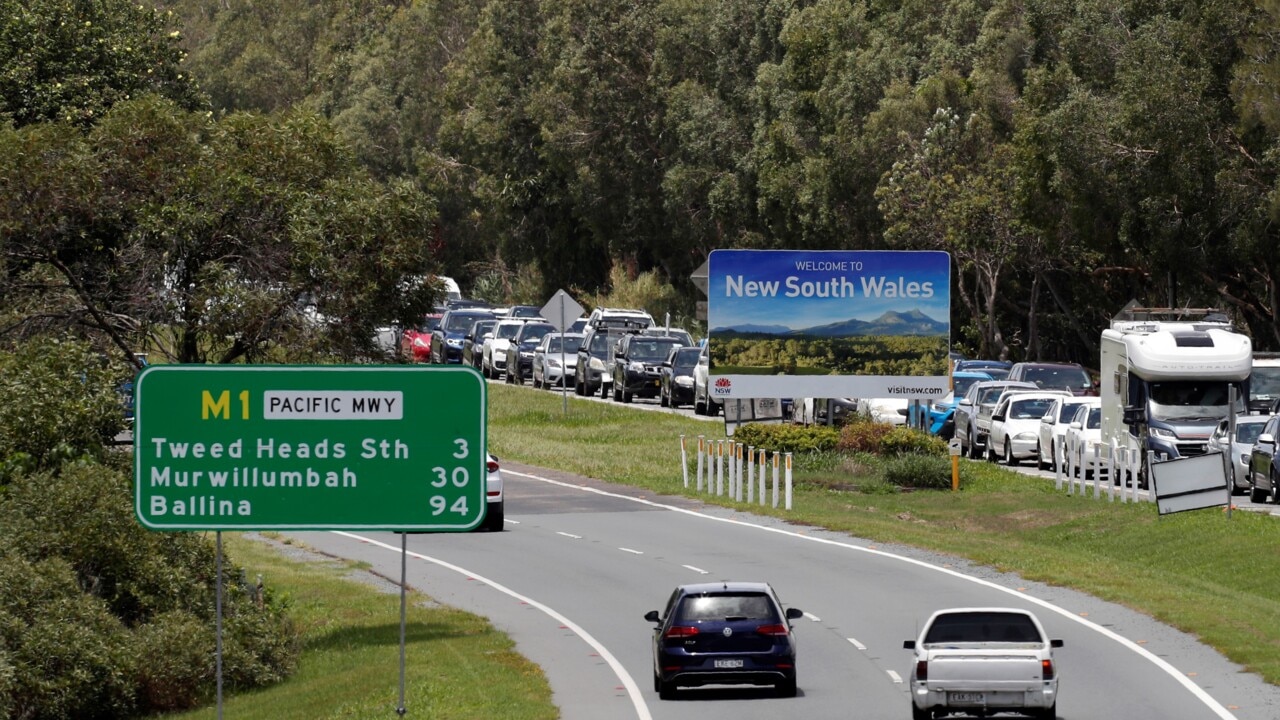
1266	439
794	613
1134	415
652	616
1057	643
1076	426
909	645
997	416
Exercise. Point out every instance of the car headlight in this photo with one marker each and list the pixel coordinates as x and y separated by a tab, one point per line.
684	381
419	342
940	408
453	343
552	362
1025	436
596	364
526	354
635	367
1162	433
1244	459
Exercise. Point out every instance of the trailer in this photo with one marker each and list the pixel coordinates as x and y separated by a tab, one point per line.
1264	383
1166	376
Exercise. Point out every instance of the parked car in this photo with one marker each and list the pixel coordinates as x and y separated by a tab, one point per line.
493	353
724	633
997	369
473	341
520	351
816	411
1053	427
577	326
1264	467
981	661
637	365
677	377
704	403
983	393
1015	426
942	413
682	335
415	342
555	359
446	339
1084	434
1055	376
595	355
1237	448
892	411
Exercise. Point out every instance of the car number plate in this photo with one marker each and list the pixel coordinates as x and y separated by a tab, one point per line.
965	697
728	663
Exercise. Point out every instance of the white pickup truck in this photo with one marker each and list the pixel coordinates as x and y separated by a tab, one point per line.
981	661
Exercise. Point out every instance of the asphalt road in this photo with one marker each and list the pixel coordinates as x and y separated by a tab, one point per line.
581	562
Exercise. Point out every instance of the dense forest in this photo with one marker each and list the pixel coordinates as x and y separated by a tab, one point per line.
1071	156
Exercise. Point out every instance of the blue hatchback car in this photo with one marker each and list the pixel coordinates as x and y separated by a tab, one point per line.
942	413
734	633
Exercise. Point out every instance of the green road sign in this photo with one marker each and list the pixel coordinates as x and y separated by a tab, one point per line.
265	447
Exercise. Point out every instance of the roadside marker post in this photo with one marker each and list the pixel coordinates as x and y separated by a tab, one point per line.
702	441
751	473
684	461
762	469
776	462
788	480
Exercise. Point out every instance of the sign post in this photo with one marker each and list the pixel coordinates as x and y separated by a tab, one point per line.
561	310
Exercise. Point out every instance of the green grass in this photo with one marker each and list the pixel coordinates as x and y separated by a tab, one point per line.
457	665
1198	571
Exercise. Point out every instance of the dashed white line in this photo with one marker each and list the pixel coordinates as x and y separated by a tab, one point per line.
813	617
897	679
629	550
569	535
857	644
700	571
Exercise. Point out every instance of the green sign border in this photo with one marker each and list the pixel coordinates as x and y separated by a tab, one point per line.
327	378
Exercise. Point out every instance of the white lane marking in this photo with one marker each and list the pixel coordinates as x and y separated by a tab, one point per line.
813	617
633	690
569	535
1151	657
700	571
858	645
897	679
629	550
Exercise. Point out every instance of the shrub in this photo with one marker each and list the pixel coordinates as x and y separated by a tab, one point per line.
905	440
786	438
863	435
913	470
177	672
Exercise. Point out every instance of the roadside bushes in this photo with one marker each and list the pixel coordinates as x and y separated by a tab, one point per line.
787	438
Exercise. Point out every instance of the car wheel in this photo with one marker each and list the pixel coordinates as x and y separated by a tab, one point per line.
604	390
972	447
626	395
494	518
786	688
662	399
1275	487
918	714
1040	461
666	690
1049	713
1009	459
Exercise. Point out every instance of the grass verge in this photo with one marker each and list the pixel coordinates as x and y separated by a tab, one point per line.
457	665
1197	571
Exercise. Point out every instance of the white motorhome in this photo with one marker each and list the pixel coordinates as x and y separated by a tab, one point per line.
1264	383
1165	377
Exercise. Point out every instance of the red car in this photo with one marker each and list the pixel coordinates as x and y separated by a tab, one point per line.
415	342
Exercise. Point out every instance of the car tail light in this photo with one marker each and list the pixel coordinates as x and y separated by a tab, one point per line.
1046	669
774	630
679	631
492	465
922	670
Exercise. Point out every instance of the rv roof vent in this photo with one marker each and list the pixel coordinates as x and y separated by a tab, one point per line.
1193	339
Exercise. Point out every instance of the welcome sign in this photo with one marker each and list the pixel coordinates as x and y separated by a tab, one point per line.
834	323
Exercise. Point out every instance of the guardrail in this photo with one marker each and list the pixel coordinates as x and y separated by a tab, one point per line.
740	472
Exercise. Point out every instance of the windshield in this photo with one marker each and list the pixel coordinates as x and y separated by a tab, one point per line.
649	349
1068	411
558	344
1264	383
744	606
479	329
1247	433
460	323
506	331
686	357
962	385
1063	378
1029	409
1190	400
429	323
980	627
533	333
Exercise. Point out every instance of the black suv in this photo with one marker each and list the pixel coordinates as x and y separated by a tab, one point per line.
520	351
594	355
637	365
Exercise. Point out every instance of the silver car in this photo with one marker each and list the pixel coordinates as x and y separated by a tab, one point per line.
1248	427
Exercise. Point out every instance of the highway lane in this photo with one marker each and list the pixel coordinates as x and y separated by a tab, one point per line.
582	561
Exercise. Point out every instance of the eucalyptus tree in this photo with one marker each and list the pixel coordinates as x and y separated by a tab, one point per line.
206	240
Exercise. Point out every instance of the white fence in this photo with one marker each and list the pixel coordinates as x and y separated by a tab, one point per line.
738	471
1077	471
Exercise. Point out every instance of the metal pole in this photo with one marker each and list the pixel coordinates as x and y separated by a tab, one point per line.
1231	436
404	553
564	374
218	621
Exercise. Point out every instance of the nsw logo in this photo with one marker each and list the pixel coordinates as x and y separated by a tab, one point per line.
722	386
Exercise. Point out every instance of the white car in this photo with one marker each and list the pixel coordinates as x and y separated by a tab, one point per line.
493	354
1248	428
1014	433
555	360
892	411
1053	427
1084	434
703	401
494	496
983	660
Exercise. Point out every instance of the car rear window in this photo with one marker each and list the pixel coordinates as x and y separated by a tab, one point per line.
726	606
981	627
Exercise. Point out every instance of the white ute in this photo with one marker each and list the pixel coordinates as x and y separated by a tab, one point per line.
983	660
